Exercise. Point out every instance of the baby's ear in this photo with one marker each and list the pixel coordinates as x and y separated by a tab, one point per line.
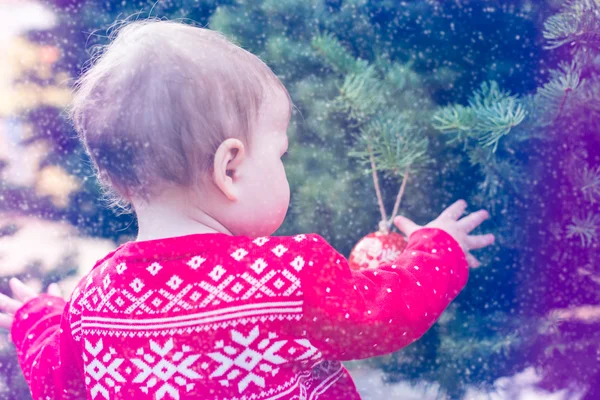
228	158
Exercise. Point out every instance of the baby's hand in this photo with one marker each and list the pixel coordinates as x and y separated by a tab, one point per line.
458	229
22	294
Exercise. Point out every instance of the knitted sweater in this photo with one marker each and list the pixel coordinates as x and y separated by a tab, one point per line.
213	316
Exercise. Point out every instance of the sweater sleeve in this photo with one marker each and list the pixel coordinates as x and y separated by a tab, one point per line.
359	314
46	350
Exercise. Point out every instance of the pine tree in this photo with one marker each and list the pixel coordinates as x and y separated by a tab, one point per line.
406	85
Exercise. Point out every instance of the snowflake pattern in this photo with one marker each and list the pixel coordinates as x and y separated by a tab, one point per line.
253	358
102	369
243	357
159	369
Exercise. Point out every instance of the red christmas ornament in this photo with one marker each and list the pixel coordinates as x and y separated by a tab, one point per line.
376	248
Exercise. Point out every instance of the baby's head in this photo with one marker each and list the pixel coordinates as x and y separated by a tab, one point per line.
178	115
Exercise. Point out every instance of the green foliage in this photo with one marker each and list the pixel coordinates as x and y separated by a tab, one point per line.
491	115
397	145
357	82
589	183
361	95
576	25
585	228
336	55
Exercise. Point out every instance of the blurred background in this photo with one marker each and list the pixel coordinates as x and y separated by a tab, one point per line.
496	102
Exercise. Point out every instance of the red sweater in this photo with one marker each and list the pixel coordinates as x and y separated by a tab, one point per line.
212	316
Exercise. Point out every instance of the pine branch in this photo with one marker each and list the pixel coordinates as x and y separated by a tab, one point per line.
336	55
555	93
577	25
361	94
456	120
589	183
491	115
585	228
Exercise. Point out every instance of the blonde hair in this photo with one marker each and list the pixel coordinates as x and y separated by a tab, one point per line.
156	102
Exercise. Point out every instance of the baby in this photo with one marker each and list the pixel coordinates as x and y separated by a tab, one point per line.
189	130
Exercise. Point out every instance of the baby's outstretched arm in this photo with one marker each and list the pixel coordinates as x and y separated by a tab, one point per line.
44	345
359	314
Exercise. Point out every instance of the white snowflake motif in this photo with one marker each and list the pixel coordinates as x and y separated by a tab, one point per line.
260	241
154	268
106	282
236	363
121	268
102	369
259	266
216	273
156	367
239	254
298	263
137	285
195	262
279	250
174	282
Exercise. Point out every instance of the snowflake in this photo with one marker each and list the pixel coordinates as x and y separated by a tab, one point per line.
102	369
155	367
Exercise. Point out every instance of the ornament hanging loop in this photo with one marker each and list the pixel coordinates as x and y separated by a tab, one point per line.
384	227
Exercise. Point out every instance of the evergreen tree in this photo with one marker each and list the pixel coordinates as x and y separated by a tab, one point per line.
413	86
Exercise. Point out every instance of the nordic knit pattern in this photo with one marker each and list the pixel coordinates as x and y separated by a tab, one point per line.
212	316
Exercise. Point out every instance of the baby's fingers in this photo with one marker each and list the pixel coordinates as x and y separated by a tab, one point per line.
9	305
473	220
21	291
405	225
6	321
455	210
472	261
479	241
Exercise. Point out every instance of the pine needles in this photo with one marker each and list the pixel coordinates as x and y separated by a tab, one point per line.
577	25
589	183
585	228
491	115
388	137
